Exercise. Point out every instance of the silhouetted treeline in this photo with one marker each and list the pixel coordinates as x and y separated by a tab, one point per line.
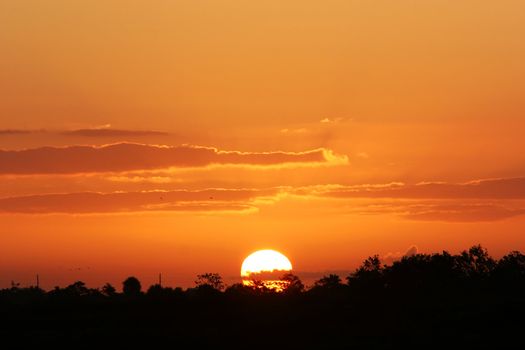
422	300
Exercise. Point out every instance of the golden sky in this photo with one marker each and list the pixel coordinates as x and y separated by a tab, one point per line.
140	137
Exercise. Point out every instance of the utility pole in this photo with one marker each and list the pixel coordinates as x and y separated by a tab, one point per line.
37	281
160	279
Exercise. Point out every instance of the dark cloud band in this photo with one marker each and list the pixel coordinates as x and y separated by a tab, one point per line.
135	157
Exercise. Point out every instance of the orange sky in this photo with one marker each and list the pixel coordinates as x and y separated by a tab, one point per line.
179	136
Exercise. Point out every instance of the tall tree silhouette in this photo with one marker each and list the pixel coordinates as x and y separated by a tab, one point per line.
131	286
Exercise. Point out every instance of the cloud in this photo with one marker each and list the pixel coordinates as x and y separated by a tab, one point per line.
17	131
332	120
123	157
107	132
413	250
508	188
458	210
390	257
294	131
92	202
96	132
474	201
362	155
475	212
145	179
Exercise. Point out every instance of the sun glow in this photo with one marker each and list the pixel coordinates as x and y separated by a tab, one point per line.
264	268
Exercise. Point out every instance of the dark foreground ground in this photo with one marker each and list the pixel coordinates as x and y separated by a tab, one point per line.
423	301
274	321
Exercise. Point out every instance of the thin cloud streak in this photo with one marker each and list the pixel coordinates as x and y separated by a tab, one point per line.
8	132
99	132
117	202
509	188
475	212
107	132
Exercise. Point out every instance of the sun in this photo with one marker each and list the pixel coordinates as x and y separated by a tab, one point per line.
265	267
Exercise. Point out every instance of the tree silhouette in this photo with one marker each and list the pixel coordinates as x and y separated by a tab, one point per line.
131	286
476	262
259	285
156	291
509	273
213	280
329	288
238	290
108	290
292	284
330	281
513	264
421	271
78	289
368	277
466	296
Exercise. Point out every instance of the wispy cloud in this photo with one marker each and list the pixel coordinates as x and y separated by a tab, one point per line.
294	131
508	188
456	210
390	257
108	132
123	157
474	201
103	131
333	120
463	212
179	200
8	132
